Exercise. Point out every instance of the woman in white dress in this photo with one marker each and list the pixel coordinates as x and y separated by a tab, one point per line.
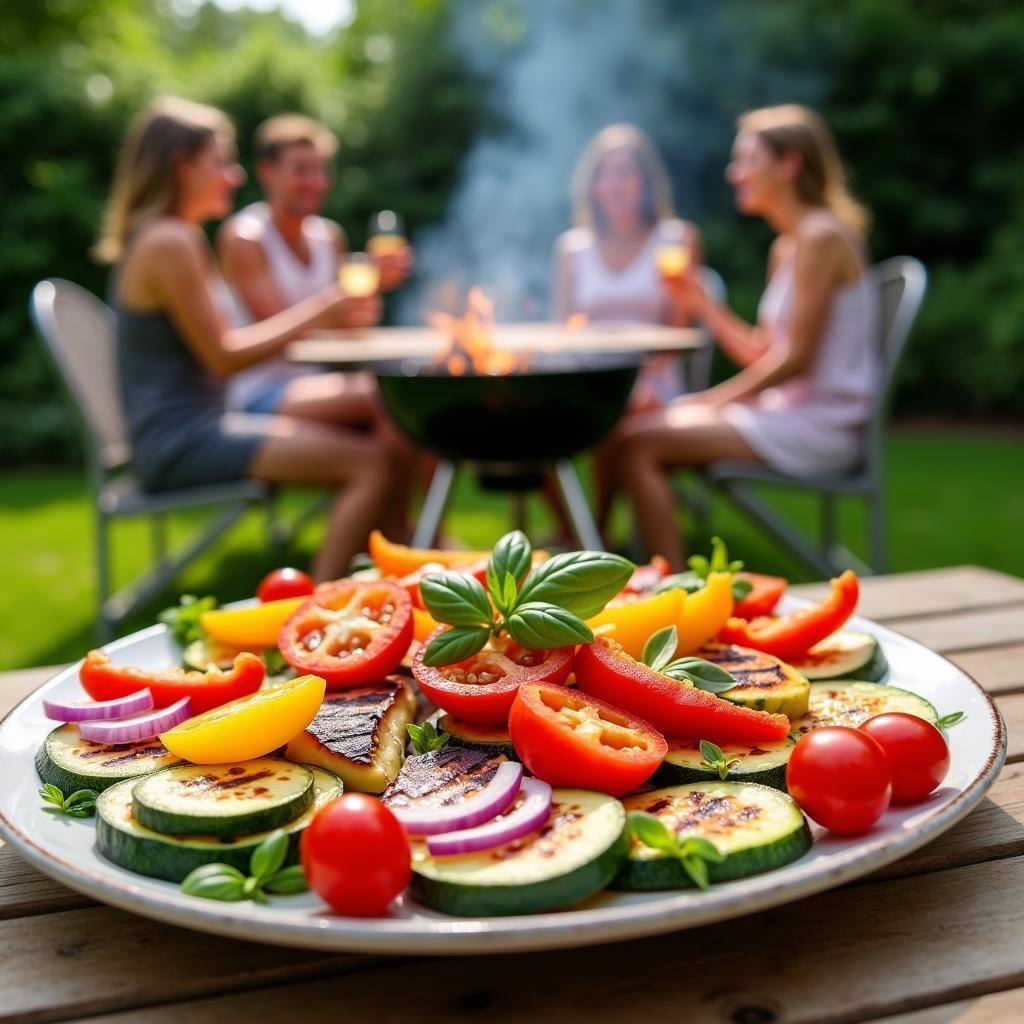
809	367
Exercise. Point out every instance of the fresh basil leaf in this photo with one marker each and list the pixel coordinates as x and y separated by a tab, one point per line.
456	598
542	626
512	555
509	594
660	648
953	718
215	882
52	795
740	588
81	803
697	870
274	663
426	738
703	674
581	582
711	752
456	644
183	619
269	856
699	846
691	582
287	881
650	831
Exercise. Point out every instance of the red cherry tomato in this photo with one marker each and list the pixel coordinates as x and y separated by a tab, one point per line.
283	583
841	778
356	855
917	752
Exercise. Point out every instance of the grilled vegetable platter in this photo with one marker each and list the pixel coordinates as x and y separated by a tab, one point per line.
473	751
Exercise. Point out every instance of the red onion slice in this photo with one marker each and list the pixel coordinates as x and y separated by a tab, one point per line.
494	798
95	710
529	815
138	727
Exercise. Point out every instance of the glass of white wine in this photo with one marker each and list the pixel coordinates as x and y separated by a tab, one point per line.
359	276
673	253
386	235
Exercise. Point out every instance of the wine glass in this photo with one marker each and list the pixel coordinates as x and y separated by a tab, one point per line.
673	253
386	235
359	276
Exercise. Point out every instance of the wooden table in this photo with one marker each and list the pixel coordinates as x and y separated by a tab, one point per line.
933	939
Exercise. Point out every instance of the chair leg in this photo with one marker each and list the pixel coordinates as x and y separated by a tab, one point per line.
434	504
158	532
877	528
575	500
829	524
104	624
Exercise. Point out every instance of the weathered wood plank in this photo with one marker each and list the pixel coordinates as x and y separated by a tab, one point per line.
966	631
840	957
998	1008
1012	707
928	592
14	686
25	891
998	669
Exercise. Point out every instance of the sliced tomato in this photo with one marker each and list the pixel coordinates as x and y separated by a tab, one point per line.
411	582
789	637
481	689
205	690
351	632
762	599
570	738
603	669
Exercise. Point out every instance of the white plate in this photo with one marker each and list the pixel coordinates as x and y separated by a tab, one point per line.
63	848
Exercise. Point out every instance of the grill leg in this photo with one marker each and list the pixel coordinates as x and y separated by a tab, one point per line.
434	504
580	516
105	627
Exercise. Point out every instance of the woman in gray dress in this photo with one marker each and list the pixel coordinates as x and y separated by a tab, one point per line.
176	345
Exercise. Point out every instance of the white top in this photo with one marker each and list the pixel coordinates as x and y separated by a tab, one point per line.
813	424
634	293
294	281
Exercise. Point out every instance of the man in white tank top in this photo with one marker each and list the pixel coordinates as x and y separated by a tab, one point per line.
278	252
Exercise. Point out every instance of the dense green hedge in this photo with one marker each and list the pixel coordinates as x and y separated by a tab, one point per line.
925	99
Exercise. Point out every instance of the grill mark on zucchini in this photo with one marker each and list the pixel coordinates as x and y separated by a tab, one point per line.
132	753
545	844
441	777
349	724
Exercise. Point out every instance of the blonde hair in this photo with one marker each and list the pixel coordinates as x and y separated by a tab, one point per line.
278	133
656	203
145	185
792	128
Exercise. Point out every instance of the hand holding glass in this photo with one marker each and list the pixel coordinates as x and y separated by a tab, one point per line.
387	234
359	276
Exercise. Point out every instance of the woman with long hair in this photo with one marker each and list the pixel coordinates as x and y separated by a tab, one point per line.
175	344
809	366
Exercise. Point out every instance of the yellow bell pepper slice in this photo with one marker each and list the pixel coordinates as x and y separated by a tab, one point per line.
249	727
704	613
423	624
252	628
632	624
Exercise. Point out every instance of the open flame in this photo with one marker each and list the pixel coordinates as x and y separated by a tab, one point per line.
470	340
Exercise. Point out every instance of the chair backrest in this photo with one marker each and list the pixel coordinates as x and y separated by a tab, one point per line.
698	370
901	283
78	330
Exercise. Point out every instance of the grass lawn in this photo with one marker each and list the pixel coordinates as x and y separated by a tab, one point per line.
953	498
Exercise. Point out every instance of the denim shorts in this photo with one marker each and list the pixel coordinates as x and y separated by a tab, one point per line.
267	401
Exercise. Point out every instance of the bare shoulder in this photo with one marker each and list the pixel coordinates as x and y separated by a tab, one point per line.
169	238
822	233
572	241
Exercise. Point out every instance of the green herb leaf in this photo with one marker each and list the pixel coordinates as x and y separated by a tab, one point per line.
581	582
52	795
456	644
268	857
703	674
456	598
215	882
509	594
660	648
541	626
691	582
287	881
699	846
426	738
650	831
699	564
740	588
953	718
697	870
274	663
512	556
80	804
183	619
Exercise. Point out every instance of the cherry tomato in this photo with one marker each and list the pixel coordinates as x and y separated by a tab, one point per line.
917	752
840	777
356	856
481	688
351	632
283	583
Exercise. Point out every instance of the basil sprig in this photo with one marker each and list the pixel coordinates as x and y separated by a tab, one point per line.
953	718
183	619
539	608
426	738
700	568
80	804
715	760
266	875
693	852
704	675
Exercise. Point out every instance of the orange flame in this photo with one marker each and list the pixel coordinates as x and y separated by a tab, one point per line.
577	322
470	339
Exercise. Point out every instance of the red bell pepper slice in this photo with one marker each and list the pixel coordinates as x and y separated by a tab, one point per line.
604	670
763	597
205	690
790	637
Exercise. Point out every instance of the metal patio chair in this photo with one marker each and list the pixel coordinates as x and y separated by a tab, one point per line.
78	330
901	282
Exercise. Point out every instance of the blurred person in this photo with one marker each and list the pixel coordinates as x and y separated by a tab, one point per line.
810	366
176	347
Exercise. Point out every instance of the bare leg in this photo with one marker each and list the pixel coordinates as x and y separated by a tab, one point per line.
675	437
342	398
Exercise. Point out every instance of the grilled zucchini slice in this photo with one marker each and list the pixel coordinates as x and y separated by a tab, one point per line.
441	777
223	799
122	840
68	762
359	735
763	683
755	827
574	855
204	654
491	739
847	654
853	702
764	763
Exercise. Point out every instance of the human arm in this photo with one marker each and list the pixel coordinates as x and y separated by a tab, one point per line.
680	313
562	286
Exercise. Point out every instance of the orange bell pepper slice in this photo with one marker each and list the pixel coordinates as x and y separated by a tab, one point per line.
399	560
